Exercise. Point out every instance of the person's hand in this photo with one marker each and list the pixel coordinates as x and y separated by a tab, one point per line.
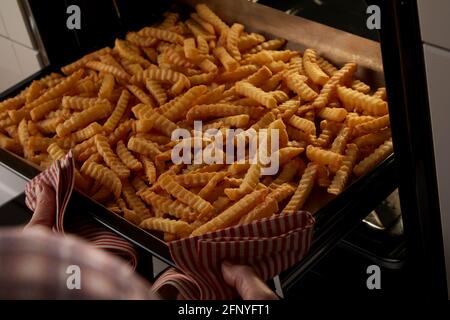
246	282
44	214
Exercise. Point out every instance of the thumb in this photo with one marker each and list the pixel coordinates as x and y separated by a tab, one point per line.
244	279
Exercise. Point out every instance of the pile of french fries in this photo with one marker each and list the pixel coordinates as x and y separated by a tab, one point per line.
116	109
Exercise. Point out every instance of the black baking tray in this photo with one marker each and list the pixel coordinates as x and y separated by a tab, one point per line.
334	220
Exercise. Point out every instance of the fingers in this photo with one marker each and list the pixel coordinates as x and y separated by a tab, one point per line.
246	282
44	214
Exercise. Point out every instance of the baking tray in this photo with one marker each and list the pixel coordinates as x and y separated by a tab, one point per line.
336	216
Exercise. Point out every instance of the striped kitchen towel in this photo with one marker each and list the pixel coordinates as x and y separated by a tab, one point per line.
60	176
270	246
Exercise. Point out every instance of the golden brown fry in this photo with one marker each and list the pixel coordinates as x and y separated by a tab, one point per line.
111	159
250	91
104	175
343	175
372	160
127	157
180	228
112	122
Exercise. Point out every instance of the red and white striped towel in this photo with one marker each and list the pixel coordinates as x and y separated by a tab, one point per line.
60	176
270	246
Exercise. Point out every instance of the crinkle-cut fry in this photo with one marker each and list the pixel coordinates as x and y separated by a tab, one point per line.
279	127
303	190
12	103
111	159
39	144
192	180
104	175
48	126
177	58
212	111
273	44
207	190
34	91
323	176
149	169
131	216
343	175
239	121
237	74
127	53
233	40
225	59
56	92
83	119
10	144
373	139
41	111
353	119
312	69
134	202
151	55
163	75
249	183
324	157
170	20
96	157
282	192
109	59
329	89
208	66
127	157
381	93
288	172
372	126
208	15
287	154
141	95
81	147
138	184
263	210
81	103
144	147
367	164
144	42
18	115
120	132
167	206
79	64
101	67
202	45
305	125
88	132
169	184
247	89
24	137
360	86
179	228
160	34
297	83
156	91
153	120
333	114
114	119
107	87
102	195
203	78
198	31
295	66
179	109
356	100
341	140
261	58
248	41
233	214
206	25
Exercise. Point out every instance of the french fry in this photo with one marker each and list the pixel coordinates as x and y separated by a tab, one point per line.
176	190
88	132
80	103
304	189
150	170
101	67
179	109
206	14
312	69
125	52
233	40
41	111
141	95
144	147
104	175
127	157
356	100
264	210
133	201
112	122
180	228
373	139
113	161
372	160
303	124
166	205
160	34
250	91
249	183
232	214
228	62
343	175
157	91
372	126
83	119
323	157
